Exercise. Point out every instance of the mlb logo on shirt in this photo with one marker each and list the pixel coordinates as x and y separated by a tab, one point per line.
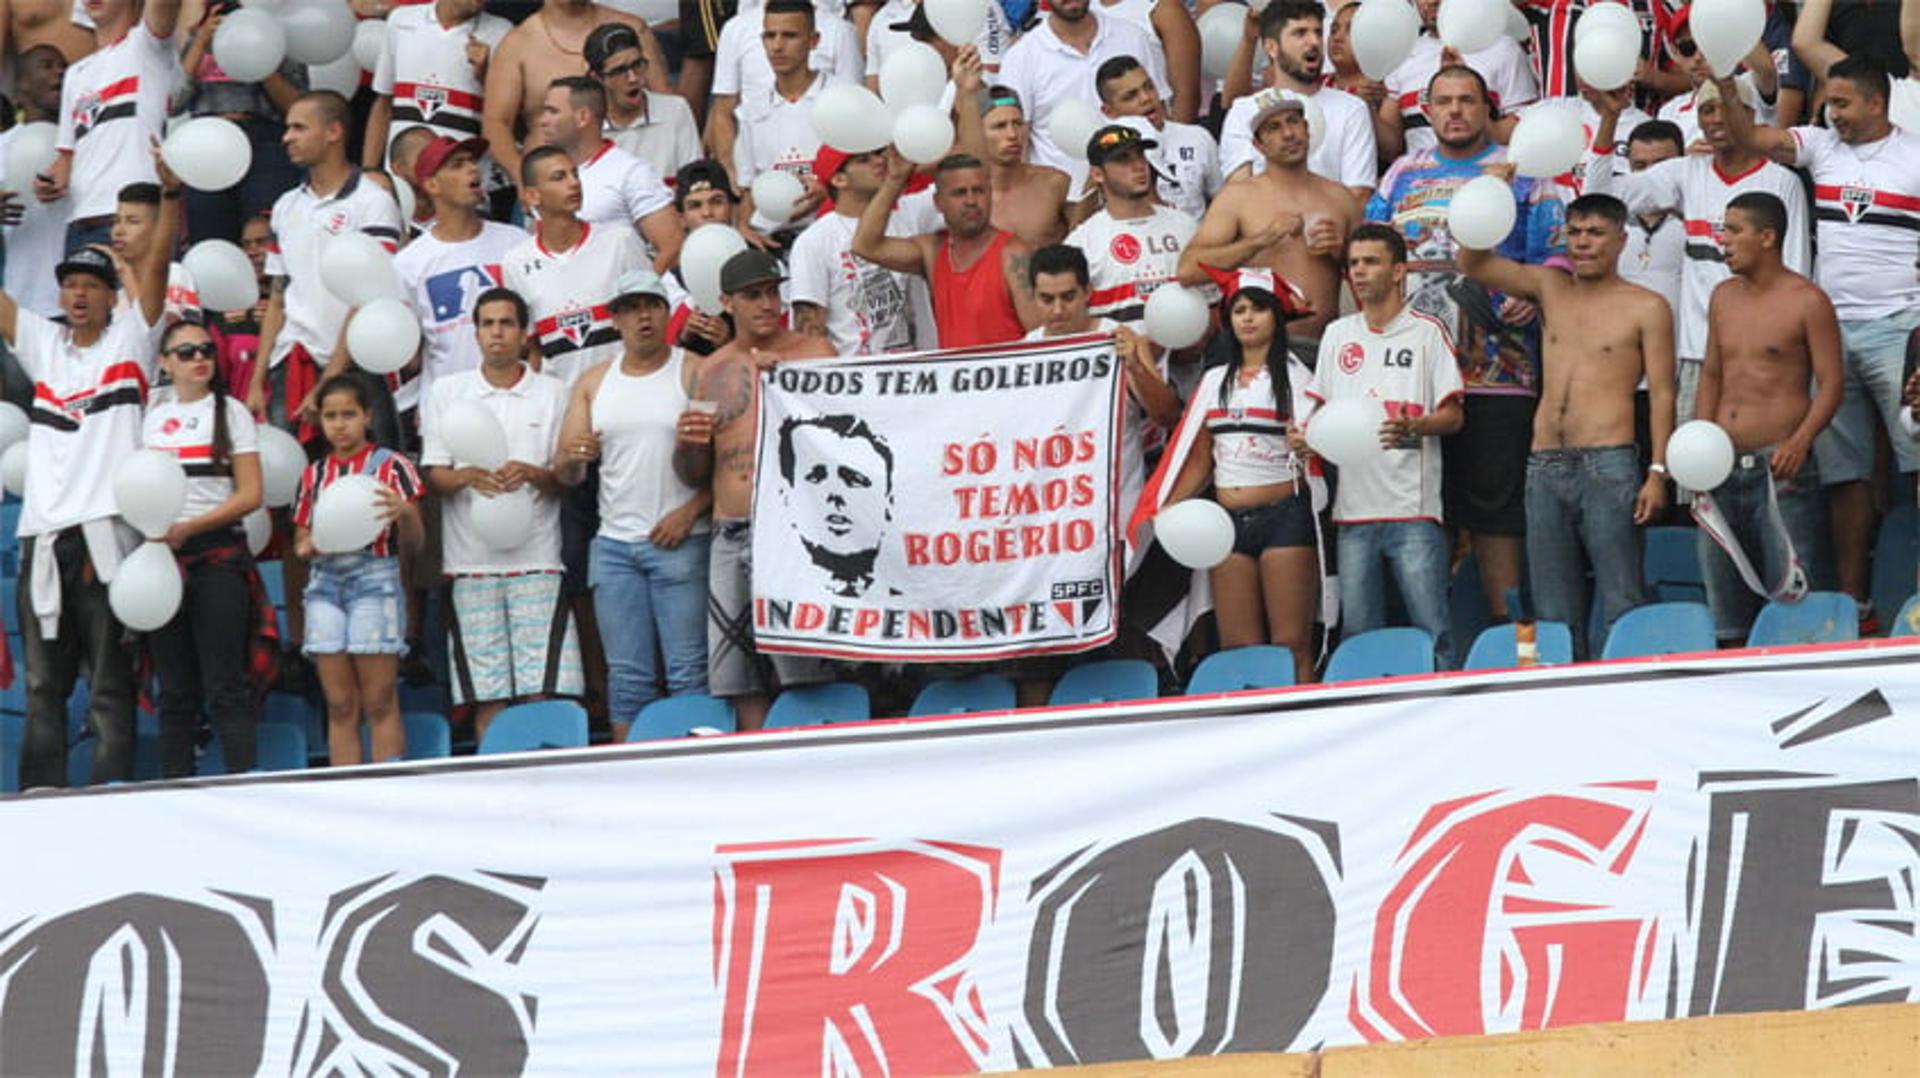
1857	201
451	295
1352	356
573	325
431	100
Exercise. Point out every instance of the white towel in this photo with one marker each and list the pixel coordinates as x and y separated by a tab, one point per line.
108	541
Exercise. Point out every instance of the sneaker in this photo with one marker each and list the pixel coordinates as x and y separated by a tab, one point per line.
1869	621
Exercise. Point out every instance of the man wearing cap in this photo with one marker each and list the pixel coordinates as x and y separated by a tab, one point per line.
716	449
658	128
776	119
90	379
616	188
433	71
704	196
1302	242
864	308
1290	36
1056	60
1029	200
1133	244
510	638
648	563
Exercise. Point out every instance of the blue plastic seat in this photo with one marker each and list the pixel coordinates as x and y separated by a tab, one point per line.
1671	565
1106	681
429	737
542	724
1493	649
1395	652
433	698
273	578
1261	666
13	698
80	762
1467	605
679	716
1820	617
1661	629
13	730
815	705
9	595
1895	553
965	695
1907	623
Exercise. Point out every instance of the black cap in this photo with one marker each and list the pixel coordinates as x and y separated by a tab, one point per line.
748	268
88	260
1113	139
607	39
694	175
916	24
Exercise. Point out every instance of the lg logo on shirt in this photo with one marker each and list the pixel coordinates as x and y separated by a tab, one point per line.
1351	357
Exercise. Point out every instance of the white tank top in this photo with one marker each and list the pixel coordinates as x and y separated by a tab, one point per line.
636	416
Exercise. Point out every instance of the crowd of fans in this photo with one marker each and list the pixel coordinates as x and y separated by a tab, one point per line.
1738	249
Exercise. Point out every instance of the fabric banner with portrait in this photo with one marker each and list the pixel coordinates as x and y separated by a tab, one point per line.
946	507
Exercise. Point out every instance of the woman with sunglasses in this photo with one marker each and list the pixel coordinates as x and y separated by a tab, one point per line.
202	654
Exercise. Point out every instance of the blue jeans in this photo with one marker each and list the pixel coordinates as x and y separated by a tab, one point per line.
650	599
1415	552
1580	515
1742	499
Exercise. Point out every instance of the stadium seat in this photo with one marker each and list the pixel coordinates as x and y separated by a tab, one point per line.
273	578
429	737
679	716
1820	617
1493	649
1908	622
13	730
1660	629
1107	681
1895	553
1467	600
815	705
434	698
9	592
1261	666
1671	566
543	724
1392	652
80	762
146	755
963	695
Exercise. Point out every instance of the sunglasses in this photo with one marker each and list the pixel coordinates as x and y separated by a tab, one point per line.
633	68
1685	47
190	352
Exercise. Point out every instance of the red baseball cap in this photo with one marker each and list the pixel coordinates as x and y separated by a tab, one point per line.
435	154
828	163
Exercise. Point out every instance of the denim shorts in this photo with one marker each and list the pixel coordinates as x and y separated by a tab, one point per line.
1285	523
355	606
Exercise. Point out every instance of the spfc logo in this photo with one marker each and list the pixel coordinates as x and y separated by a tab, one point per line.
430	99
1856	201
573	325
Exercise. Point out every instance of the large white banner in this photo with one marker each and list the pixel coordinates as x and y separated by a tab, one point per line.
940	507
1456	855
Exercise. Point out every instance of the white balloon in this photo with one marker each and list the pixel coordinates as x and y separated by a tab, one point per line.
282	459
223	275
1196	532
1481	213
473	435
1383	32
149	487
346	516
849	118
503	521
775	192
383	336
1518	28
1727	30
357	269
13	469
1176	316
1700	455
250	45
1221	30
1071	125
957	21
1347	431
259	528
706	250
1548	141
210	153
1470	25
30	152
923	134
318	31
145	593
13	424
1316	124
1606	46
912	74
369	41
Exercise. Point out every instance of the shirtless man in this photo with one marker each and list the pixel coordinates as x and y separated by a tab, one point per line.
26	23
718	449
1584	485
1029	200
1243	227
550	44
1769	330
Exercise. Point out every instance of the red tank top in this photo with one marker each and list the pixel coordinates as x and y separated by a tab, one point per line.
973	307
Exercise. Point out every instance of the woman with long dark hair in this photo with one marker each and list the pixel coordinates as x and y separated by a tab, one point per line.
202	654
1267	591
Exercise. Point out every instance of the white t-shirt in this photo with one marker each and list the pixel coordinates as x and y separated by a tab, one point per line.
567	292
1347	155
775	133
441	282
1503	64
303	221
1127	260
1187	159
867	306
186	431
530	412
86	415
619	188
740	66
112	103
424	69
36	244
183	296
637	416
1045	71
666	137
1867	199
1409	368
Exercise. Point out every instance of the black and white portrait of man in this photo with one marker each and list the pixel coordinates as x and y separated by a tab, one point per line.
838	487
